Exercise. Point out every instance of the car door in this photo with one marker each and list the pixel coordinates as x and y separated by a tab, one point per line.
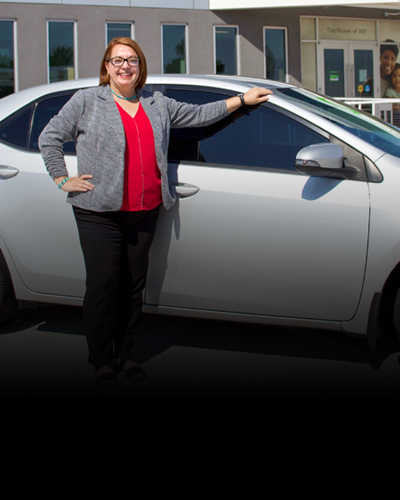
251	235
37	225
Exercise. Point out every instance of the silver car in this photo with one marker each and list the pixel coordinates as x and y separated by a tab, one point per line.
287	214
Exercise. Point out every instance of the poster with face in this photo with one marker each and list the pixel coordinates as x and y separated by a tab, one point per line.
389	67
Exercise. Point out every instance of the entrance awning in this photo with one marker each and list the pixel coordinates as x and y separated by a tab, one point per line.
265	4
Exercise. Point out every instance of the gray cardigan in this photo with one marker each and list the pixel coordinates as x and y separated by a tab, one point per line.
91	119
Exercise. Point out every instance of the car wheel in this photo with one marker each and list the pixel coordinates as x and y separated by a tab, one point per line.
8	302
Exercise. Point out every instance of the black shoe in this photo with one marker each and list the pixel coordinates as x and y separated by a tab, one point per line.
105	376
131	370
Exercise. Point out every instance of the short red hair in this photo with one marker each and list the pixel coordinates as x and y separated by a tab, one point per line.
123	40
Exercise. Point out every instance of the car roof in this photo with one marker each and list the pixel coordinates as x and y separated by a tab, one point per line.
222	81
16	101
11	103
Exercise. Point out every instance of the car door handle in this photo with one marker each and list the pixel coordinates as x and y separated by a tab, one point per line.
7	172
183	190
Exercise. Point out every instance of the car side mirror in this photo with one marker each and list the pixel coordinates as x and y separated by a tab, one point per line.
320	160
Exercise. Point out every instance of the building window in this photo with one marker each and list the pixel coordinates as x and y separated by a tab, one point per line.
174	48
275	53
7	70
61	50
114	30
226	51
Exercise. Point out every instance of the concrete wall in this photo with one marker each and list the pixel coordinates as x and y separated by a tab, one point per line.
32	44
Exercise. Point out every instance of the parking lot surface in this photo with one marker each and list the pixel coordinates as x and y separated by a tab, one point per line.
43	354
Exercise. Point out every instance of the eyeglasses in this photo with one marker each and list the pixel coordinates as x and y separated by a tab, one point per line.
119	61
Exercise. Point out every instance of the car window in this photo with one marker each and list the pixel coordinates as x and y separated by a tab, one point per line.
44	112
15	130
23	131
359	123
263	138
23	128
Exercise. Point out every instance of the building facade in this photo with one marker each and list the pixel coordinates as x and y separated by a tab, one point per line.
340	50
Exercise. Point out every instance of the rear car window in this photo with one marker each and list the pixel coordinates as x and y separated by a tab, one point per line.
23	128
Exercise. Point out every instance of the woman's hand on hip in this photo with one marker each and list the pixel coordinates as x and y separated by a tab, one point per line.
76	183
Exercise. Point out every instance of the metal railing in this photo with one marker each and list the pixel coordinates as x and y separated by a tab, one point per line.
386	109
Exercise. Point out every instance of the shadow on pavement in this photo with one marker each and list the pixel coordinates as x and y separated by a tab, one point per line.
159	333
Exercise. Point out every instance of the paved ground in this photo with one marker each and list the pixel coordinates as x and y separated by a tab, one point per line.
43	354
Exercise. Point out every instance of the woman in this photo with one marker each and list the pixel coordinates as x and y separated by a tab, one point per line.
387	60
121	135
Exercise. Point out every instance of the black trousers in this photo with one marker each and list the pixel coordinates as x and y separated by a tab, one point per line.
115	247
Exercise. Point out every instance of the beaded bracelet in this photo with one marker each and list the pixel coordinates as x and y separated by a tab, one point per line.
63	182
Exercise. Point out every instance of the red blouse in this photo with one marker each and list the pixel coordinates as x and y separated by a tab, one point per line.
142	184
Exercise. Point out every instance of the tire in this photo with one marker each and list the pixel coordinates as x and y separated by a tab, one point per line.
8	302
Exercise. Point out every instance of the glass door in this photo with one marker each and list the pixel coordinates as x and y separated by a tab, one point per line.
332	69
347	70
334	72
363	60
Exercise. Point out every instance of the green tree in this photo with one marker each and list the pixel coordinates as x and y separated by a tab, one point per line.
6	62
175	66
62	56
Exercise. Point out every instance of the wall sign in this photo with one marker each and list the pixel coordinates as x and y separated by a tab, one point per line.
345	29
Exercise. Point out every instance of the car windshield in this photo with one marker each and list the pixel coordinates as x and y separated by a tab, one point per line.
359	123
